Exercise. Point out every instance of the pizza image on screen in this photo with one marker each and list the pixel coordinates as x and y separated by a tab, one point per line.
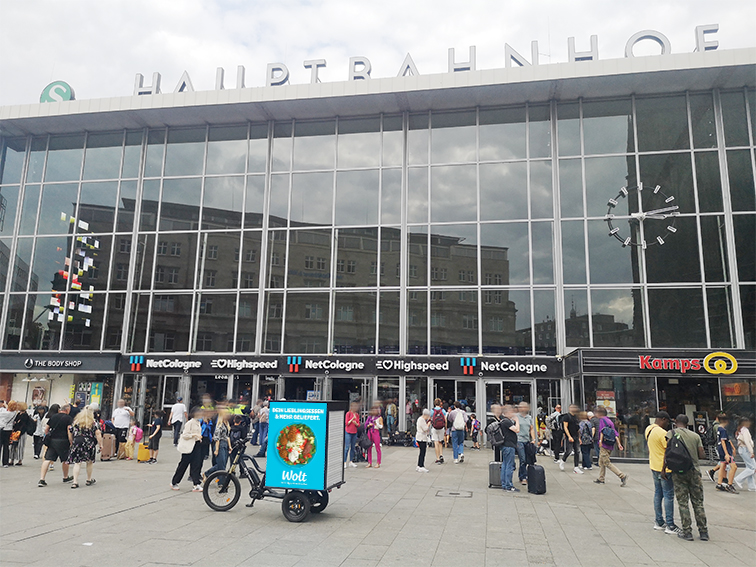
296	444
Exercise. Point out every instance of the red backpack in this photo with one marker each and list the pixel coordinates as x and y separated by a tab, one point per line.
438	421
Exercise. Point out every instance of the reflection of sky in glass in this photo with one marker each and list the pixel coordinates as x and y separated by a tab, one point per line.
391	196
514	238
57	207
541	190
603	179
359	143
417	195
226	156
571	187
503	191
609	261
103	156
312	197
64	158
573	252
607	127
616	302
357	197
453	193
9	197
185	152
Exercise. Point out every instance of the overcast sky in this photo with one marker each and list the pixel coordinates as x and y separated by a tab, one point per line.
98	46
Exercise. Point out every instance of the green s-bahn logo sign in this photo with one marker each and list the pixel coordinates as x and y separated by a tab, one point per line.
58	91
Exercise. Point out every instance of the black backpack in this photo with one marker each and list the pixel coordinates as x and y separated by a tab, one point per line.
495	434
677	455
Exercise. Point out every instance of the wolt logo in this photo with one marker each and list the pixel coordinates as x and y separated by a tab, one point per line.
136	363
468	365
294	362
58	91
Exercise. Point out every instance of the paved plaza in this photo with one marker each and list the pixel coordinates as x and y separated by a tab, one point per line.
387	516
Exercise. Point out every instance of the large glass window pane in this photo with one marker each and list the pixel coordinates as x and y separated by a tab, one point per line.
314	145
714	249
359	143
185	152
393	140
677	318
132	154
50	265
506	321
8	208
150	201
388	324
571	187
662	123
103	156
417	195
145	255
503	191
250	259
608	127
153	162
357	257
673	172
276	261
29	207
176	257
310	259
357	197
709	182
354	323
391	249
391	196
14	321
610	262
454	255
417	268
180	204
64	158
568	129
222	202
136	338
258	147
84	321
306	329
219	261
677	260
617	316
247	325
278	207
417	398
745	246
603	179
543	322
748	308
573	252
43	321
541	190
454	322
122	269
22	265
97	206
113	328
226	150
91	263
540	131
282	144
312	198
741	180
253	207
454	194
576	324
272	322
502	133
36	160
5	251
505	254
734	118
12	160
702	119
721	317
453	137
417	139
169	329
543	253
417	322
214	318
57	209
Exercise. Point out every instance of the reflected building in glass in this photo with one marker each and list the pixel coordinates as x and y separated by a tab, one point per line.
460	228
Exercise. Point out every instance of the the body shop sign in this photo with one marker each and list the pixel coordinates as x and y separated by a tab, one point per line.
297	445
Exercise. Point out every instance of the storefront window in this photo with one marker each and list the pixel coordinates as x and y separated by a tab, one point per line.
739	398
689	395
416	394
388	395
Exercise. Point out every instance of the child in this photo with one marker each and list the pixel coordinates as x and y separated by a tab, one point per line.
474	430
726	453
133	438
156	432
586	440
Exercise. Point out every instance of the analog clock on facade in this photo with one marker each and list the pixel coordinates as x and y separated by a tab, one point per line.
647	227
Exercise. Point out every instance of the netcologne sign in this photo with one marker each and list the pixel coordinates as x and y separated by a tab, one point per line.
360	68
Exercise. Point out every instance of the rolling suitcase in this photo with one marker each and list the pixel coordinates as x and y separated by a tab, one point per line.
143	453
494	474
108	447
536	479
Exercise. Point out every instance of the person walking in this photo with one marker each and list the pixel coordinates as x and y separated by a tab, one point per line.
526	434
263	425
58	444
475	431
571	429
496	417
84	437
373	426
554	423
438	428
351	424
40	419
745	449
156	432
510	427
594	419
221	443
18	435
422	437
121	418
458	418
392	413
664	490
586	440
190	447
726	454
687	483
177	418
254	416
608	439
7	418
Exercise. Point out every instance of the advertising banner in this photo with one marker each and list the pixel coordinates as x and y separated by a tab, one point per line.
606	398
297	445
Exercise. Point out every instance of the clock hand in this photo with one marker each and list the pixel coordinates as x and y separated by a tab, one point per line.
665	210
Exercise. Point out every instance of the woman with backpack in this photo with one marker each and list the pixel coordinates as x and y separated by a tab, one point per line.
438	430
608	439
586	440
18	436
458	418
373	426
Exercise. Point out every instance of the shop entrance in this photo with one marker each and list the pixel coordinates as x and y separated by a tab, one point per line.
301	388
203	387
508	392
352	390
689	395
450	391
157	392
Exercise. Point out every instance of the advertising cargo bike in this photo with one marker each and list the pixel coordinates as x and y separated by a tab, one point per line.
305	461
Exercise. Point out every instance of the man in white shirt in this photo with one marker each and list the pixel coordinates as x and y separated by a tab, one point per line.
177	418
121	418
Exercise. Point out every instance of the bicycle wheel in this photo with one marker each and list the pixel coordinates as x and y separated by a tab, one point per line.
318	501
221	491
295	506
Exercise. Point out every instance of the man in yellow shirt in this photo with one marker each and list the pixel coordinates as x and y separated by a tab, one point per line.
664	489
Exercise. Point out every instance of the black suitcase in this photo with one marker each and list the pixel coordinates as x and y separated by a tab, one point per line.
536	479
494	475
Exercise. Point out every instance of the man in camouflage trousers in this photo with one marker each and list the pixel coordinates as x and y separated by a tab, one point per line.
688	485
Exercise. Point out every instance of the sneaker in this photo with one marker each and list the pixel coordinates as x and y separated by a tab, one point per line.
704	536
456	461
41	483
345	465
560	462
439	462
710	473
597	481
687	536
578	470
673	529
52	467
722	487
513	489
197	488
441	459
623	481
175	487
659	526
731	488
67	479
352	464
740	486
422	469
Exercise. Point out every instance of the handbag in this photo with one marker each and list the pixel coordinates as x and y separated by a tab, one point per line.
364	442
15	436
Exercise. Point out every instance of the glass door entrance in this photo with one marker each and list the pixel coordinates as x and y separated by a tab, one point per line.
508	392
450	391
